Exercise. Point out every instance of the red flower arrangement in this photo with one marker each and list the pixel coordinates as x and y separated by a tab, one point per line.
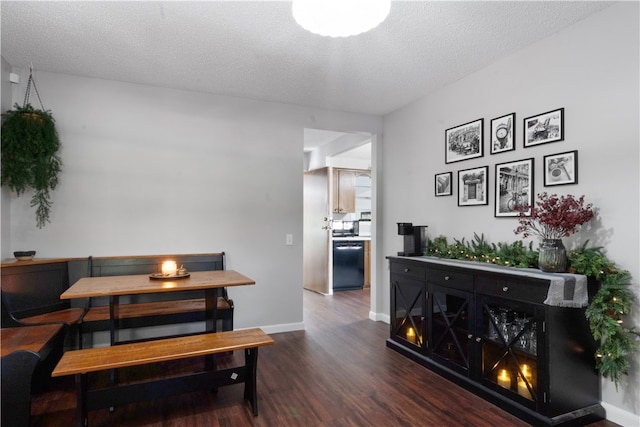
553	217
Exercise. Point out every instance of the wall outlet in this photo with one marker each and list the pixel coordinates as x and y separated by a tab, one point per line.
289	239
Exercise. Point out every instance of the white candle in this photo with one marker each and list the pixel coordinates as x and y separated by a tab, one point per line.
523	390
411	335
504	379
169	268
526	372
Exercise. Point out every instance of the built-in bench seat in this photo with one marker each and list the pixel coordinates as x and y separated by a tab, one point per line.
31	295
70	316
29	354
130	314
82	362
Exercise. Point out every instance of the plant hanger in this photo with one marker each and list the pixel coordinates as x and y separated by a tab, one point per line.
28	91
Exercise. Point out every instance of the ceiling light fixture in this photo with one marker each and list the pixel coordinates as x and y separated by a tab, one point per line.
340	18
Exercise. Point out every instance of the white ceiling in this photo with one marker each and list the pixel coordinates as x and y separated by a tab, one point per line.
256	50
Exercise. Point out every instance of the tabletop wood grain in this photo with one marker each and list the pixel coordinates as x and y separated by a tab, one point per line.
89	287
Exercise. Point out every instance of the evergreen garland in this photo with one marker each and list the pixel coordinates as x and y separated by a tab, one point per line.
30	158
605	312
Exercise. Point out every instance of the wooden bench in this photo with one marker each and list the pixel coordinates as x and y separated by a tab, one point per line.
29	354
139	315
82	362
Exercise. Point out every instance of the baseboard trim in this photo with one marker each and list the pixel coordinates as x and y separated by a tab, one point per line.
283	327
620	416
379	317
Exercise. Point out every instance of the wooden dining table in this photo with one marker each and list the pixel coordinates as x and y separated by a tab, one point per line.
114	287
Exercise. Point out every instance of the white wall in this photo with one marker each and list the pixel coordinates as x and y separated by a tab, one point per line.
591	69
149	170
320	157
5	235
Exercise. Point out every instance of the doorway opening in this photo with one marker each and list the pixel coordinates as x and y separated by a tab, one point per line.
338	190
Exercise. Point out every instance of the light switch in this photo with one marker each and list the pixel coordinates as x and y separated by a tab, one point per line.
289	239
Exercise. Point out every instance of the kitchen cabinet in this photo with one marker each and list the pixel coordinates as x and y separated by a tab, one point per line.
346	191
489	330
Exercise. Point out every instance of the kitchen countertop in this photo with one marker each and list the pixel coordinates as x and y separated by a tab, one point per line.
351	238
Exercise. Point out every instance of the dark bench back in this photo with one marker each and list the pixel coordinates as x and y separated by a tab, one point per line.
120	266
34	289
148	264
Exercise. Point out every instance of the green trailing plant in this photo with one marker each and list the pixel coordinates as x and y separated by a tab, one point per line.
30	158
606	311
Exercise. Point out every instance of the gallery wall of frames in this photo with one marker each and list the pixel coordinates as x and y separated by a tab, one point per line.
514	180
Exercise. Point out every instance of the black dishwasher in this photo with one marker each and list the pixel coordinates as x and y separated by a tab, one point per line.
348	265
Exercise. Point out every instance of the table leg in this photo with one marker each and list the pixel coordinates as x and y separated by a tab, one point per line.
211	309
114	308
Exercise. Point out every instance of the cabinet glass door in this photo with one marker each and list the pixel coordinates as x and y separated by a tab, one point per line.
409	297
511	347
451	337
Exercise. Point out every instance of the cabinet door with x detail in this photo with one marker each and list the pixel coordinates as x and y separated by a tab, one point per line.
451	337
408	297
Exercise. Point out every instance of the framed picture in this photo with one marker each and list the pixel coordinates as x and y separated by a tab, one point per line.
464	142
561	168
502	134
443	184
472	186
514	187
543	128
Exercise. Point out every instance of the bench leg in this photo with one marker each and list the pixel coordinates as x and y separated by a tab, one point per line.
81	397
210	316
250	392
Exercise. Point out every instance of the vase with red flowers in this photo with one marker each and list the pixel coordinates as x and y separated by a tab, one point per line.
552	218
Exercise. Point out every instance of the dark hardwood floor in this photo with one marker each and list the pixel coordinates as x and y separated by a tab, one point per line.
338	372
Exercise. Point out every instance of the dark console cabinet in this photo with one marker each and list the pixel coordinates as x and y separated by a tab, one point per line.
489	330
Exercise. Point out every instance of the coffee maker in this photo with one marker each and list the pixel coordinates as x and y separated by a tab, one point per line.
415	239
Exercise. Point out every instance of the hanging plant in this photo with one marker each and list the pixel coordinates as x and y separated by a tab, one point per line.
30	158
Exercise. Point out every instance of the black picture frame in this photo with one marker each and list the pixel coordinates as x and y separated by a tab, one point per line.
544	128
561	168
443	184
464	142
514	186
473	187
502	134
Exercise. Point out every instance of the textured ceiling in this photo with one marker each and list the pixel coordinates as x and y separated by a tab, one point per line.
256	50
